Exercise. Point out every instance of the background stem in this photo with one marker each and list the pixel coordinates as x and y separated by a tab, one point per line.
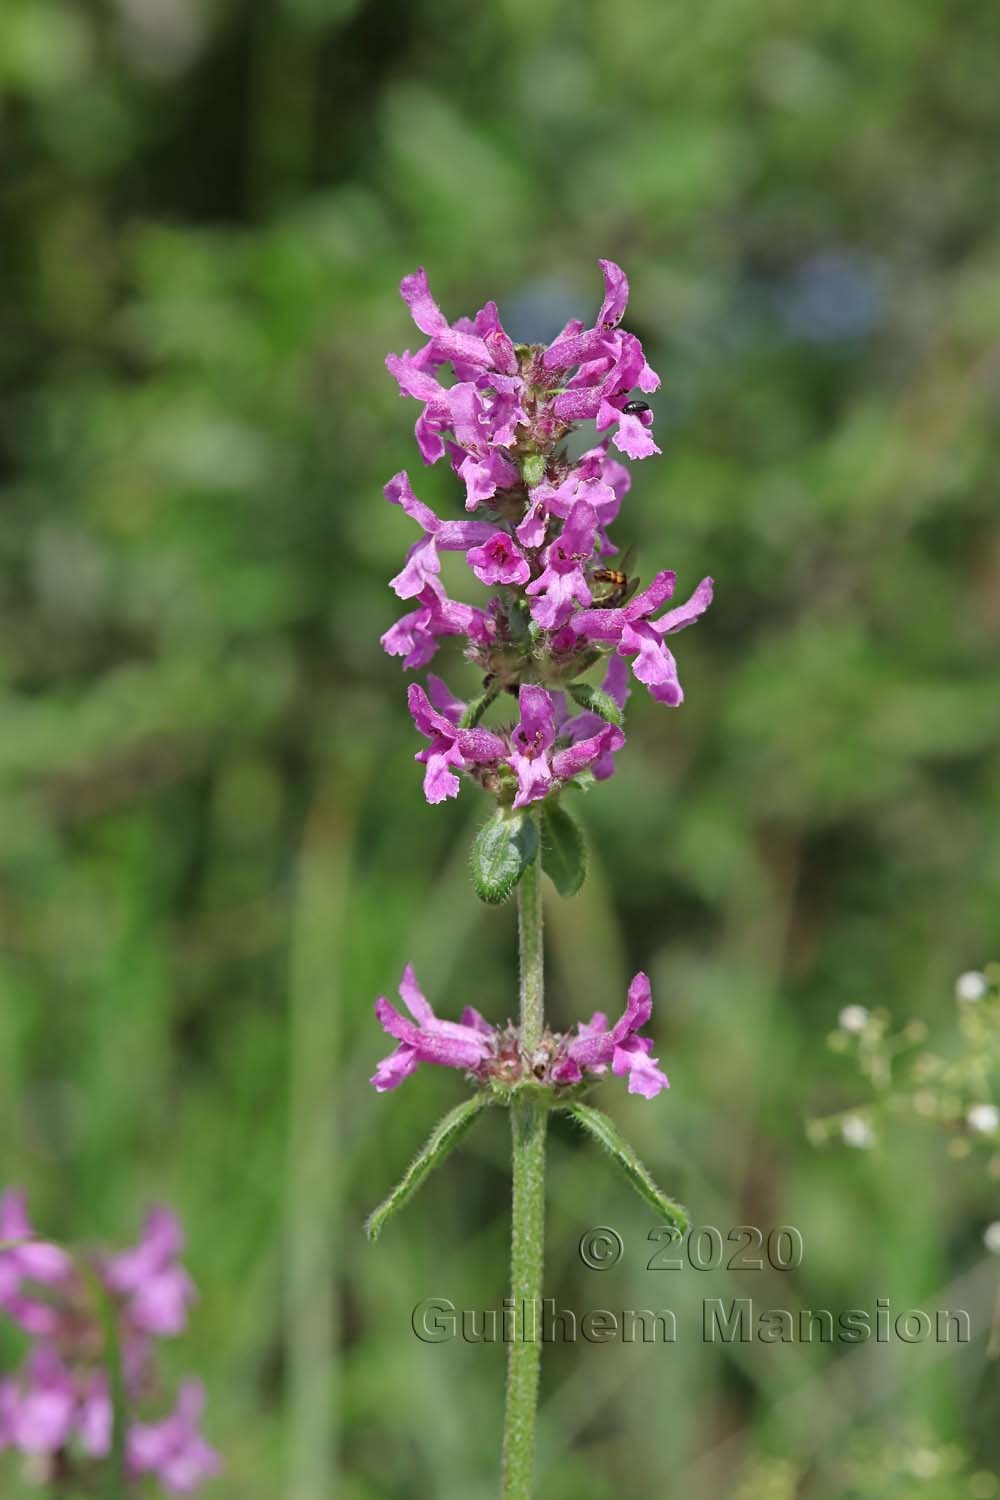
312	1172
527	1248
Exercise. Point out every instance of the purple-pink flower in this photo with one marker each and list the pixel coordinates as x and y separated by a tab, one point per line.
451	749
174	1449
595	1047
422	561
634	634
30	1262
415	637
531	742
155	1286
563	582
538	766
39	1413
463	1045
574	728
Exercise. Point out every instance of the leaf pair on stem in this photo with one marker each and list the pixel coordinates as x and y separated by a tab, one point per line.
452	1127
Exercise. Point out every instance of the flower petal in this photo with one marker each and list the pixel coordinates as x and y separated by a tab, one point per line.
685	614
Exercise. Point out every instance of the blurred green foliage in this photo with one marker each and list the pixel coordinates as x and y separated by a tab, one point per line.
215	851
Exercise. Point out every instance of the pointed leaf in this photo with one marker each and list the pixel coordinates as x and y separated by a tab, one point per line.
502	851
597	701
597	1124
564	853
443	1138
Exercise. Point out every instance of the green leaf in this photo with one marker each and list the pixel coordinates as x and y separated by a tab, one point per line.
477	707
519	621
597	701
564	853
597	1124
443	1138
503	848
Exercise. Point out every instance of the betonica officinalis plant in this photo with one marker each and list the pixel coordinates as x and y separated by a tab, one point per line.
562	610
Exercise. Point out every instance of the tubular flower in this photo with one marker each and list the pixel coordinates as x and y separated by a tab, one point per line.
463	1045
637	636
451	749
595	1047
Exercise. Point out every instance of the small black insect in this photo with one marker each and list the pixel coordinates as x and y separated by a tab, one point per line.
634	408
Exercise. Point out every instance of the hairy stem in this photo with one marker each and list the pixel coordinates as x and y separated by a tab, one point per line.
529	925
527	1247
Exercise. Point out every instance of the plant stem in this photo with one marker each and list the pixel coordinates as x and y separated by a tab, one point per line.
528	1120
529	925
